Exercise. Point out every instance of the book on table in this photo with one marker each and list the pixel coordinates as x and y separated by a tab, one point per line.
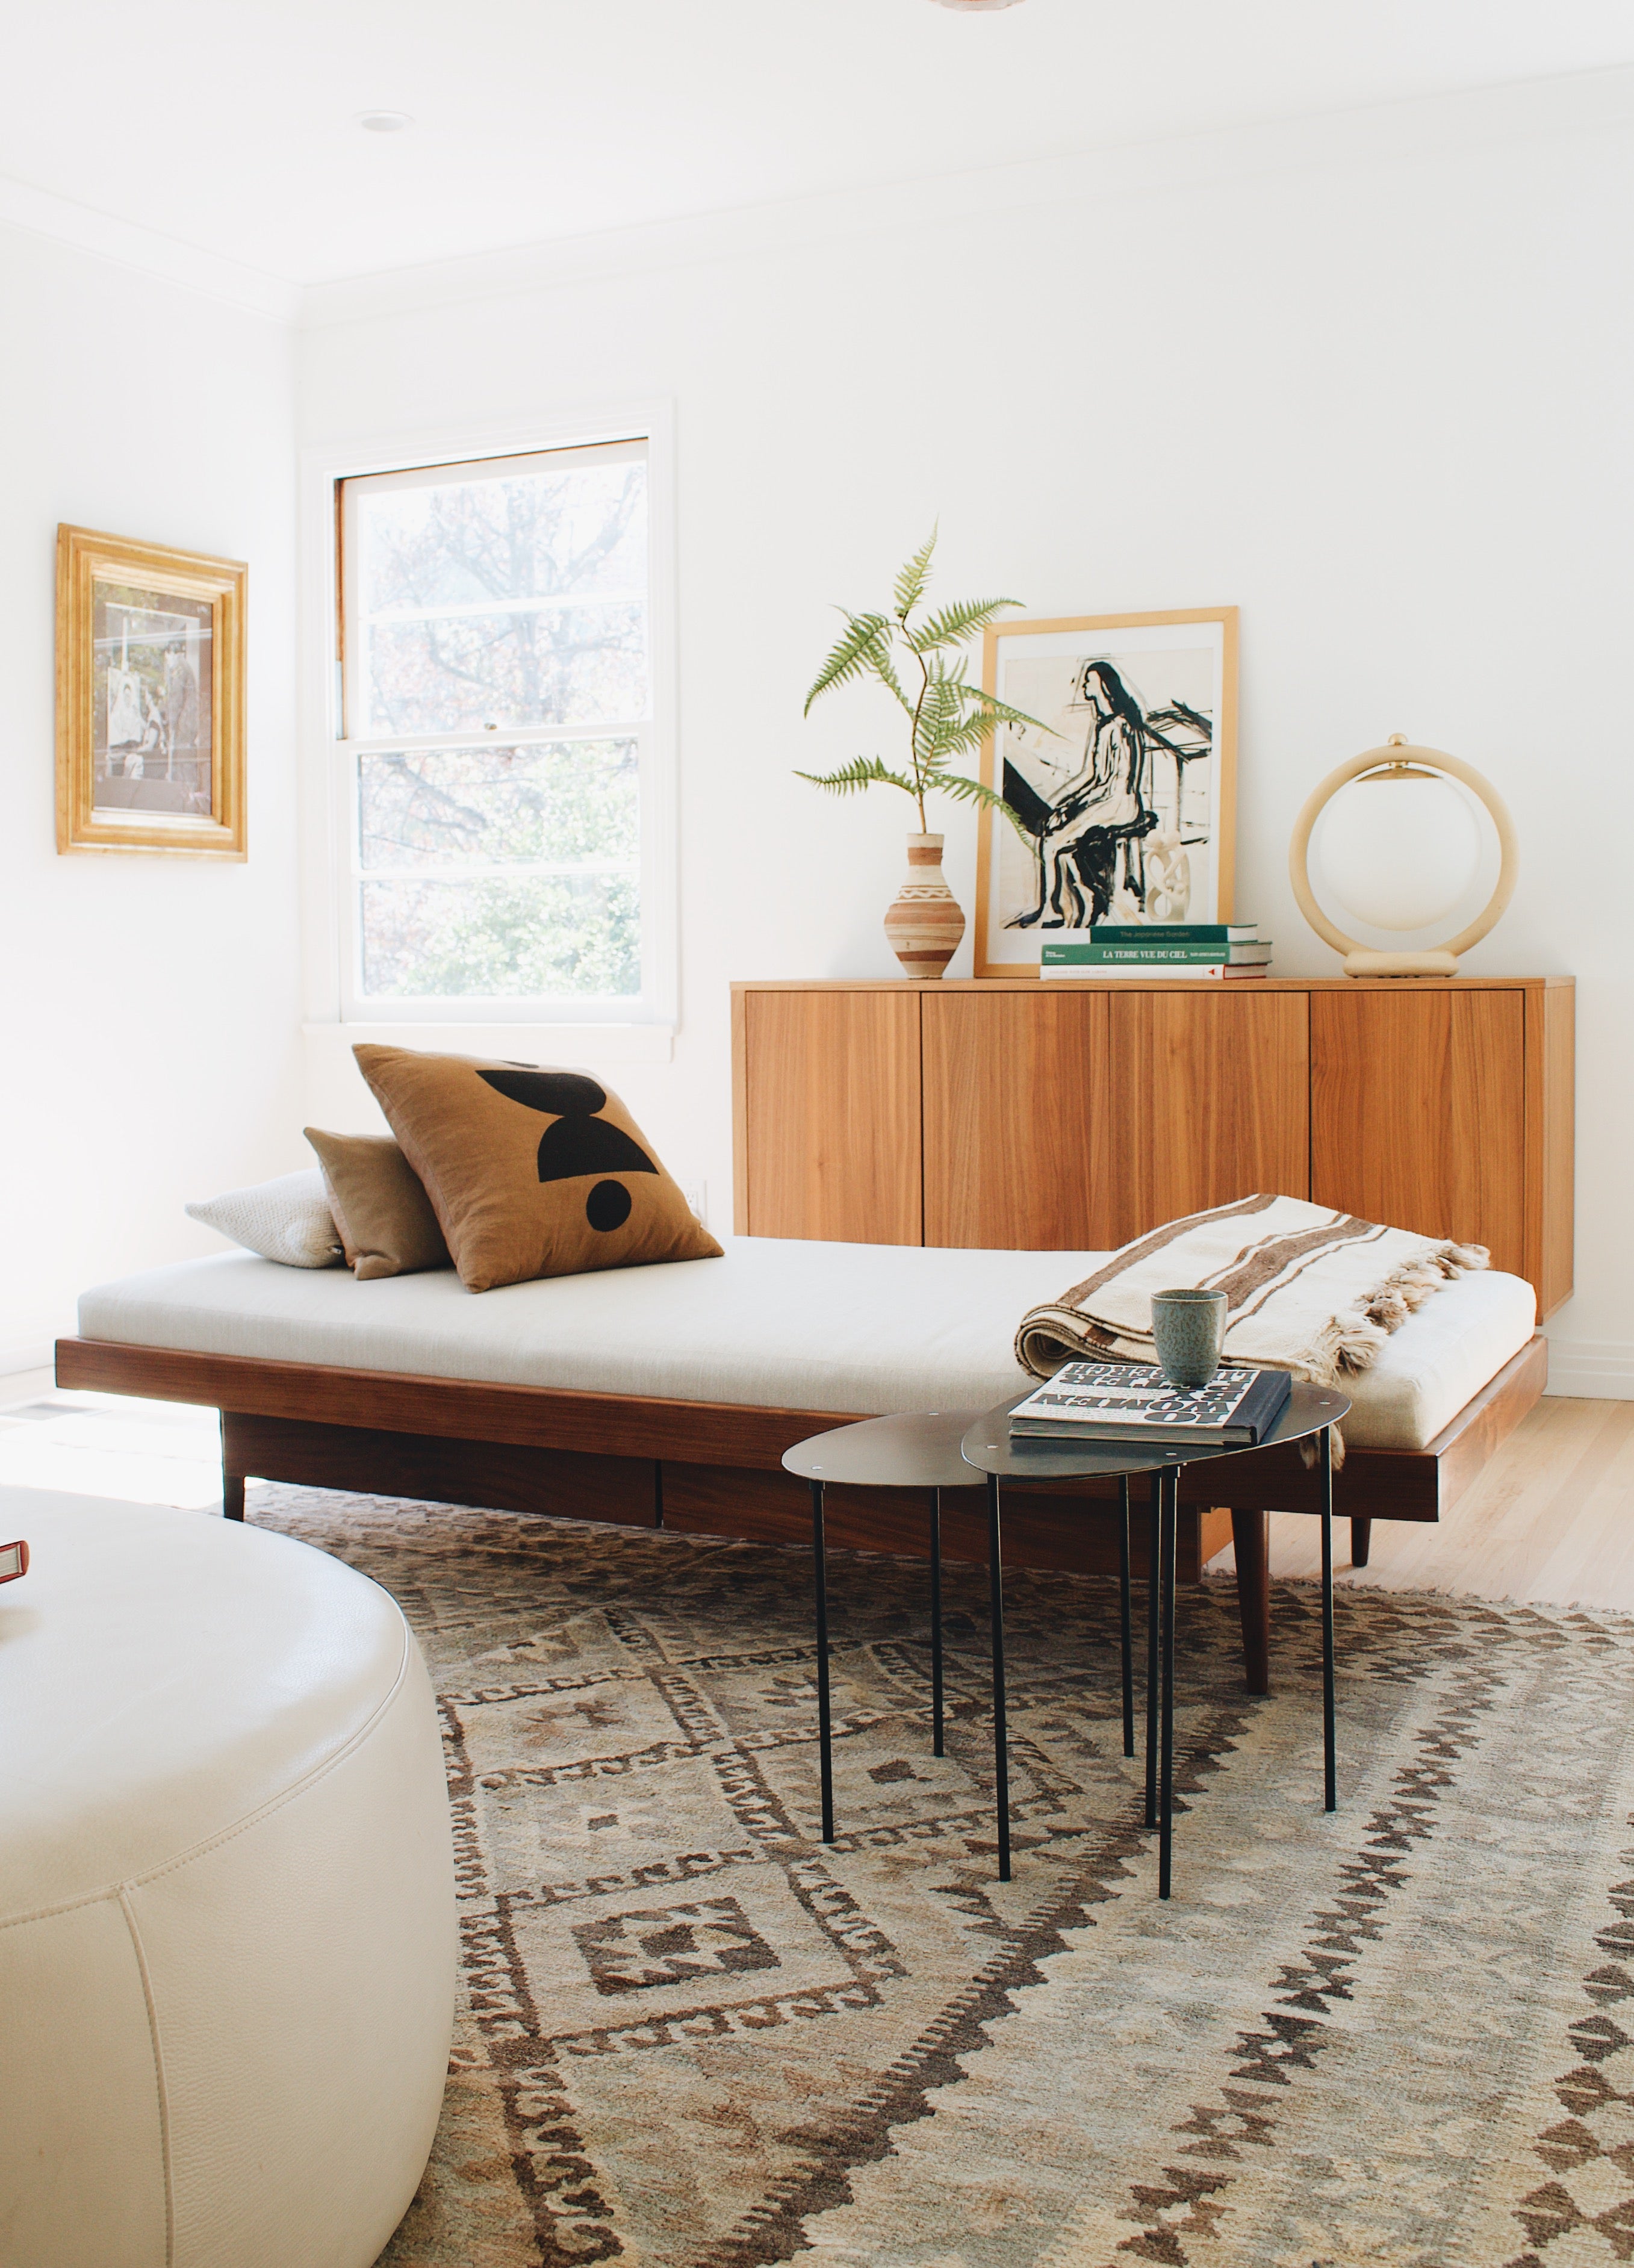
1164	933
1122	1403
1164	971
1096	952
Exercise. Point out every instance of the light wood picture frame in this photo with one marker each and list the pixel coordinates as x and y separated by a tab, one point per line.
1128	799
149	699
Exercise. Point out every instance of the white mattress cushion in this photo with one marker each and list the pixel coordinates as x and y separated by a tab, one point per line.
778	1323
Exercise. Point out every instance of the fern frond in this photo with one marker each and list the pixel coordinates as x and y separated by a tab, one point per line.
969	791
1000	712
910	584
884	668
940	714
956	625
866	637
863	772
955	739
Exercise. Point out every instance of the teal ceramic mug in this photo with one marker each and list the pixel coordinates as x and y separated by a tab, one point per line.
1187	1331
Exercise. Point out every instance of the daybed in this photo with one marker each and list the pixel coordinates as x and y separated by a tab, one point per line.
668	1395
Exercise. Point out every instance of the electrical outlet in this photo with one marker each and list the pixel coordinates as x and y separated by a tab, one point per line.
697	1195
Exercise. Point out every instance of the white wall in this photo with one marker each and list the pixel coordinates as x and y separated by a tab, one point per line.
1368	380
151	1018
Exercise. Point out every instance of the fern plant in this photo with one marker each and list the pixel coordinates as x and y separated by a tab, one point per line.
946	716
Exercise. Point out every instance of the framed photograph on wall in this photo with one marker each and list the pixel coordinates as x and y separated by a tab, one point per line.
149	699
1125	787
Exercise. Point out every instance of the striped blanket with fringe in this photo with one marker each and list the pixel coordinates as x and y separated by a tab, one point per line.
1308	1289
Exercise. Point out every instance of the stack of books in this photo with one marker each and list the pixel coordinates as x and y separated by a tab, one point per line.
1231	951
1116	1403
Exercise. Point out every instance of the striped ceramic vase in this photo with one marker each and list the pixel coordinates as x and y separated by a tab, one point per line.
924	923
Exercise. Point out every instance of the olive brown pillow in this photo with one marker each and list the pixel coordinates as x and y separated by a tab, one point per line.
385	1217
531	1172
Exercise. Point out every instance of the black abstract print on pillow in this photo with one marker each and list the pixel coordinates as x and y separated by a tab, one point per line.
578	1142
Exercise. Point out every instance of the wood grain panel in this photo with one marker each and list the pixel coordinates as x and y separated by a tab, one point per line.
432	1470
1209	1098
1018	1152
1419	1112
1041	1529
832	1139
1551	1074
545	1417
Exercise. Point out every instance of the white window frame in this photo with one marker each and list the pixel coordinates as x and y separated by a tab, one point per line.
329	808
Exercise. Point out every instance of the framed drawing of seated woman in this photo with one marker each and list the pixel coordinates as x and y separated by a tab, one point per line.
1125	792
149	699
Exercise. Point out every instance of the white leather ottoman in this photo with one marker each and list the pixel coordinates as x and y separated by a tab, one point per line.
227	1935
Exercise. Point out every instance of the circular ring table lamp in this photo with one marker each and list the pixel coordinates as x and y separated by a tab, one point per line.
1407	856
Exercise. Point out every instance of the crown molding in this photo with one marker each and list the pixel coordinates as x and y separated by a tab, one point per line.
147	252
1426	126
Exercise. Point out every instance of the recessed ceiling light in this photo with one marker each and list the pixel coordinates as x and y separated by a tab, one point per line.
393	121
971	6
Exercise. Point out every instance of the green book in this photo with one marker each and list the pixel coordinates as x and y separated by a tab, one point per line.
1164	933
1055	955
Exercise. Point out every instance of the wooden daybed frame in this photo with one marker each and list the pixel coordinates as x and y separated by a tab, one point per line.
715	1468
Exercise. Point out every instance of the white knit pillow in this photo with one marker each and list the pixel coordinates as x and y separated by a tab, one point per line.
288	1219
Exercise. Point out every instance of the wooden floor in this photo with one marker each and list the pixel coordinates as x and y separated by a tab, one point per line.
1552	1520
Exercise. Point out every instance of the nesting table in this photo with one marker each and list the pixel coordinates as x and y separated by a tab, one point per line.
923	1450
934	1450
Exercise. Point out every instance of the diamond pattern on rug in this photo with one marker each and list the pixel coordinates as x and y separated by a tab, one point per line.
693	2037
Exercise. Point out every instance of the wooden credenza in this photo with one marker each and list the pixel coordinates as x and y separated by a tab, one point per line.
1034	1115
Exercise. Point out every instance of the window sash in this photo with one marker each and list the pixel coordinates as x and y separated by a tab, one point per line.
358	1005
351	613
346	749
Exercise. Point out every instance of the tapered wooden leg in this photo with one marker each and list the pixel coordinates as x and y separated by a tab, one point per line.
232	1482
1251	1533
1361	1541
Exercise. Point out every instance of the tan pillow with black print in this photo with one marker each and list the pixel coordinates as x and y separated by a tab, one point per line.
531	1172
387	1223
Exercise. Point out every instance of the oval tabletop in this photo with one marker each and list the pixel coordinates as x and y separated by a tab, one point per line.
991	1447
922	1448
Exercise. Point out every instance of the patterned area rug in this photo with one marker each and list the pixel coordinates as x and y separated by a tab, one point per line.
692	2037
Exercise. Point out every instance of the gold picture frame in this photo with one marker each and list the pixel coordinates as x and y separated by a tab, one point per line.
149	699
1164	847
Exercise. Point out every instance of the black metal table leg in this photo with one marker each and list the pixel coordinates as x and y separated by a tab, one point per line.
1001	1731
1166	1799
1330	1758
937	1748
825	1747
1125	1630
1152	1651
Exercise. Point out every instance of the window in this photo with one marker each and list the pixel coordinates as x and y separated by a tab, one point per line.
496	748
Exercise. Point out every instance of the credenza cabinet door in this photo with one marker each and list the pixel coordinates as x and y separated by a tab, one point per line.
1077	1120
1419	1112
1016	1124
1210	1096
832	1131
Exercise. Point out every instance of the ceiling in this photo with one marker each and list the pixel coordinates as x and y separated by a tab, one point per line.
233	128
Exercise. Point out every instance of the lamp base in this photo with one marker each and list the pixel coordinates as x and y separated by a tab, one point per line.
1401	964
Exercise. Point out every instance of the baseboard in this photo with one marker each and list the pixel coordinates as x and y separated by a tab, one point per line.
1597	1370
26	1354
